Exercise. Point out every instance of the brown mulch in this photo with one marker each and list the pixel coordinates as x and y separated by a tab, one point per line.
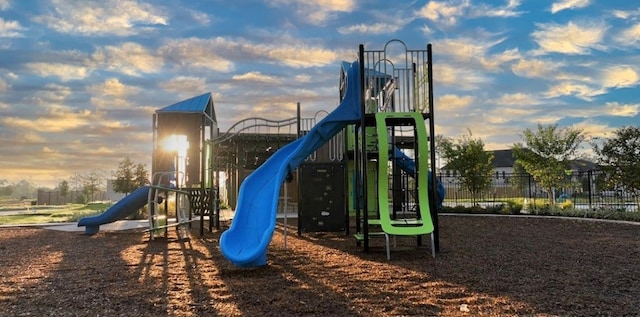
488	266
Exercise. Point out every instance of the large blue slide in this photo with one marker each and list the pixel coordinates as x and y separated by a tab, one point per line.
120	210
245	243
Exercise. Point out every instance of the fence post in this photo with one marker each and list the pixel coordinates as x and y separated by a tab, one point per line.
590	175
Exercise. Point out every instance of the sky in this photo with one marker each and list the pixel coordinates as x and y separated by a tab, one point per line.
80	80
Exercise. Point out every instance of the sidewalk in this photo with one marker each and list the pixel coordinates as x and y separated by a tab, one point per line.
121	225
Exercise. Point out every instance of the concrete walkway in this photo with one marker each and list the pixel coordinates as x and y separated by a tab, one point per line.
121	225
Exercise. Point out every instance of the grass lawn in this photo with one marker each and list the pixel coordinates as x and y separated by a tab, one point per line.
53	214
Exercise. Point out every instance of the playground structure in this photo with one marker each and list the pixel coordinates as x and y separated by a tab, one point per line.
370	157
385	98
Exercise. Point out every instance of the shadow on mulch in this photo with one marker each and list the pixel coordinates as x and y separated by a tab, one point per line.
487	267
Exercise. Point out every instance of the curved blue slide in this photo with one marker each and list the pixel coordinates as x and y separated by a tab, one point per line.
120	210
245	243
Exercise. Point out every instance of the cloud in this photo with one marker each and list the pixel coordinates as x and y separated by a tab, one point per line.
4	5
112	94
185	86
630	36
581	91
129	58
65	72
447	13
110	17
55	121
622	110
459	78
620	77
535	68
10	28
3	85
476	52
371	28
255	76
572	39
197	53
516	99
569	5
286	51
507	11
317	12
454	103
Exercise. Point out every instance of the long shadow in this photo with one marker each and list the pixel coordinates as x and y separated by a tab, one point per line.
298	282
526	266
53	273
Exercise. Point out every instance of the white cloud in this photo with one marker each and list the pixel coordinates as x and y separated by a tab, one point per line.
196	53
460	78
317	12
516	100
110	17
569	4
129	58
185	86
622	110
10	28
445	13
55	121
448	13
200	17
476	52
370	28
573	39
620	77
454	103
630	36
4	5
581	91
507	11
112	94
65	72
535	68
287	51
255	76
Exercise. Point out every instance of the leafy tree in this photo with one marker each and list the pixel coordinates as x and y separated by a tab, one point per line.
129	176
92	183
620	157
141	175
547	153
467	156
64	189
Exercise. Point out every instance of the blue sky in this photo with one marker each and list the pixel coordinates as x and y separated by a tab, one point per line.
80	80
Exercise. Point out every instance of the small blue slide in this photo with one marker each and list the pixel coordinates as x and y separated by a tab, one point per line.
120	210
245	243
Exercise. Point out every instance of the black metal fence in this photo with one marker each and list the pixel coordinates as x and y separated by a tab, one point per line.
582	190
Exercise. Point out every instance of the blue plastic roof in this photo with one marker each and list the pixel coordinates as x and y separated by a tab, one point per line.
196	104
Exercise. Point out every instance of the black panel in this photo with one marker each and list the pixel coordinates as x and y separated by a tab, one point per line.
322	200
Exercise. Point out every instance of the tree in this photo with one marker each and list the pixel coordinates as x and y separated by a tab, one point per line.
468	157
547	153
620	157
91	184
129	176
141	175
63	187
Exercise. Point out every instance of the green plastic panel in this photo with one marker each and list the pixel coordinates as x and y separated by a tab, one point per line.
399	226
